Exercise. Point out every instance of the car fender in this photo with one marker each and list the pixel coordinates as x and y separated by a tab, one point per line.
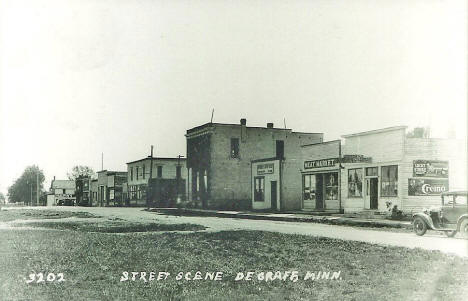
460	220
426	219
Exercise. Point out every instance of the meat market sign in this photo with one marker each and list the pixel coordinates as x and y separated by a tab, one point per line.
263	169
430	168
320	163
427	186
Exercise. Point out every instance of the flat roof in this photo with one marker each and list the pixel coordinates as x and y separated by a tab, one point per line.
324	142
111	171
158	158
389	129
210	124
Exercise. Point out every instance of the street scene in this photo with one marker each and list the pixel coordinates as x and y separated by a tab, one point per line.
248	150
94	247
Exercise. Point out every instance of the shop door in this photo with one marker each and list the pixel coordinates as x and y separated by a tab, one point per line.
274	198
319	192
372	199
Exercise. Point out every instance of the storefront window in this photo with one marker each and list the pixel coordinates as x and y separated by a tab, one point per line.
355	183
259	192
371	171
389	180
309	187
331	188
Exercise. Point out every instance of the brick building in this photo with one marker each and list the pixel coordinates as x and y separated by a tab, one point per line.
83	190
375	170
109	187
220	158
167	182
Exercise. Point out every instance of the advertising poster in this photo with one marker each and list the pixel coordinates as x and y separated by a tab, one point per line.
427	186
428	168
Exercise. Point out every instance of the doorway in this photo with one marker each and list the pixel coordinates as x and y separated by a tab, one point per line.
274	198
372	193
319	192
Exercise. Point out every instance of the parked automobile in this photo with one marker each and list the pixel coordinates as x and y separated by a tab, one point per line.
451	217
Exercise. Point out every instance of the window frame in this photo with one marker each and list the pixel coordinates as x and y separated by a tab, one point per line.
279	146
178	171
261	180
350	195
159	171
235	148
335	185
383	191
312	196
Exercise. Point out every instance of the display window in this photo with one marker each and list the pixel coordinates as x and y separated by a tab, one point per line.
355	183
389	180
309	187
331	186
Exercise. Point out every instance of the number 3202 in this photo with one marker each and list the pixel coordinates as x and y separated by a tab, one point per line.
40	277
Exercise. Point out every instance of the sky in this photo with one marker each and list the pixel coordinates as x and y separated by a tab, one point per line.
79	78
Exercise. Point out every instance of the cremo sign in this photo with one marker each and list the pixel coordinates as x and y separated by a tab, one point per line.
427	187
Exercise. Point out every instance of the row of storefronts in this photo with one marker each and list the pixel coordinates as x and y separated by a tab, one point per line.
234	166
369	171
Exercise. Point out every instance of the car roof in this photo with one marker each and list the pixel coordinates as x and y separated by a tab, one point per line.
457	192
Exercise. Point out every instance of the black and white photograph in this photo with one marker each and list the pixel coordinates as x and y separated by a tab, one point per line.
233	150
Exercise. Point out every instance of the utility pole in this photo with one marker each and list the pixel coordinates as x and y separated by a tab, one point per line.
102	161
30	189
37	189
149	190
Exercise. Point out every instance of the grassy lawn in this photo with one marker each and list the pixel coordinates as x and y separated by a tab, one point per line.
120	226
15	214
93	262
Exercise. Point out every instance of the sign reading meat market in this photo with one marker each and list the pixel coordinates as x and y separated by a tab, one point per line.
320	163
427	186
430	168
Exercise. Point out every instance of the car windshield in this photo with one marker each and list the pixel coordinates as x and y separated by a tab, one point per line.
460	199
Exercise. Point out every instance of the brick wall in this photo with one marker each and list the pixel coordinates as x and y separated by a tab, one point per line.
229	179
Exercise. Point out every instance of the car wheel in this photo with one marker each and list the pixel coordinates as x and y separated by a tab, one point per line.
450	233
419	226
464	228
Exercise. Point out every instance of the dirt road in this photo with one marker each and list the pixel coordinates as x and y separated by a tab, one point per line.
431	241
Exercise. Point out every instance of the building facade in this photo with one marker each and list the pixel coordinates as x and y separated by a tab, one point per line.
109	187
61	193
168	181
220	158
377	170
83	191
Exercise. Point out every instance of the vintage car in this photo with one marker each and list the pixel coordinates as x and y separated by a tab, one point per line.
451	217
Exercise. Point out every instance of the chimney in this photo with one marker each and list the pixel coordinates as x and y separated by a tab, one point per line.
243	132
270	125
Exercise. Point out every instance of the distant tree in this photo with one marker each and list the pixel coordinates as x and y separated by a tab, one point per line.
80	170
419	132
25	188
2	198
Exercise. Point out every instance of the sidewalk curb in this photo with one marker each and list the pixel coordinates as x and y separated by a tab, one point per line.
331	220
